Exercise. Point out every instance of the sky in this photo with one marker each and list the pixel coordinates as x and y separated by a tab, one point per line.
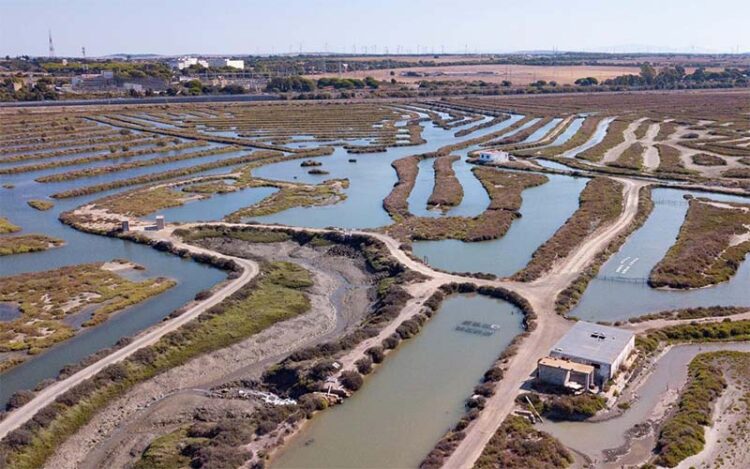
174	27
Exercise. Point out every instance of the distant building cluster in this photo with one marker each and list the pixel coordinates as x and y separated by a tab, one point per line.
106	81
181	63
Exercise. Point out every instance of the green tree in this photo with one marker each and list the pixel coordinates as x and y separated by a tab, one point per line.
648	73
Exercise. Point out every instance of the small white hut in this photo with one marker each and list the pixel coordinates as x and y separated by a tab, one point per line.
494	156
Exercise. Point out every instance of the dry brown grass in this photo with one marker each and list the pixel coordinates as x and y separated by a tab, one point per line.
669	160
447	191
709	247
517	74
45	299
27	243
630	158
721	105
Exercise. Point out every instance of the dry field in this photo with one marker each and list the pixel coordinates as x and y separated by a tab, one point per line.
419	58
517	74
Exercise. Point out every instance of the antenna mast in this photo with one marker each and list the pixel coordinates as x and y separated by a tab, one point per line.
51	46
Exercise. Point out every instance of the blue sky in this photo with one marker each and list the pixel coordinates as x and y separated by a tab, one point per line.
251	26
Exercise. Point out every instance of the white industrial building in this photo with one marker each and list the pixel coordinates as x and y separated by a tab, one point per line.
185	62
231	63
604	348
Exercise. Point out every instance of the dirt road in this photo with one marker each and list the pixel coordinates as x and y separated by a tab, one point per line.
613	153
651	155
48	395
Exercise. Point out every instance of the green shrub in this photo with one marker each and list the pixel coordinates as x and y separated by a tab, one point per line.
351	380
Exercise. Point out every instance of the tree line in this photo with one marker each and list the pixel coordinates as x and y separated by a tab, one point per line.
674	77
304	85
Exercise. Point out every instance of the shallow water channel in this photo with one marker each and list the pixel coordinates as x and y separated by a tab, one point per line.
371	178
599	133
217	206
80	248
544	209
407	404
568	132
475	199
620	291
669	374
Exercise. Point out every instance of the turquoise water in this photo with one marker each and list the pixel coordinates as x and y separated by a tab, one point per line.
82	248
217	206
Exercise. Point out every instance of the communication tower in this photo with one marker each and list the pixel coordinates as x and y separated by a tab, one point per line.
51	46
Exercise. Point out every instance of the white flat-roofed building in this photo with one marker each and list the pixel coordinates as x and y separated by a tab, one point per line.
185	62
566	373
494	156
232	63
603	347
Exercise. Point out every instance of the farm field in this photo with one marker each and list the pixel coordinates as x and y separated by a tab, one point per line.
517	74
306	253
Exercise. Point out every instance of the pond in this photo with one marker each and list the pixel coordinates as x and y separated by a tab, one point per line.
9	312
620	291
407	404
216	206
371	178
544	209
